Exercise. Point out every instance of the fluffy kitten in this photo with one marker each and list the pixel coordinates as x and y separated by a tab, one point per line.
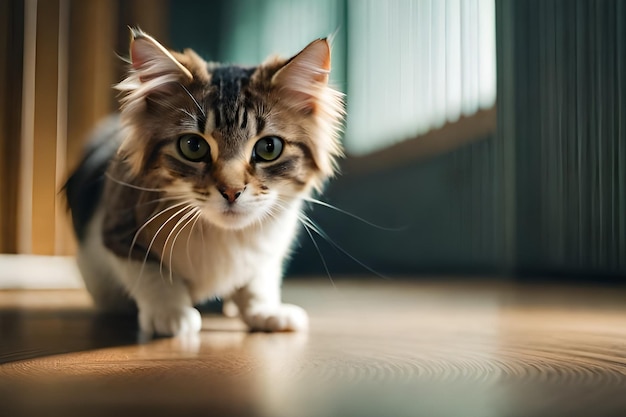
195	189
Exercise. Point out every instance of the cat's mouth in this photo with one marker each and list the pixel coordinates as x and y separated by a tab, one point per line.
233	218
232	212
236	213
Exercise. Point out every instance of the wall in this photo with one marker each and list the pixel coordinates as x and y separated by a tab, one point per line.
545	196
446	209
567	97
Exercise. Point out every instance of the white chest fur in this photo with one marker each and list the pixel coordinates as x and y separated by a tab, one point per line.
210	260
215	261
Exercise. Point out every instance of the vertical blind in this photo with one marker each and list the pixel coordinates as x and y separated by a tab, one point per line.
67	65
415	65
569	109
262	28
407	66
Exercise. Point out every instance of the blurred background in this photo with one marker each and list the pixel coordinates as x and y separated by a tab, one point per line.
485	137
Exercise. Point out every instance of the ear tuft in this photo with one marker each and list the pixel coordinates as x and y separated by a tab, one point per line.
302	84
151	59
305	74
153	70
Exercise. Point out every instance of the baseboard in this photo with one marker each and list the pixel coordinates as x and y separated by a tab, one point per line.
39	272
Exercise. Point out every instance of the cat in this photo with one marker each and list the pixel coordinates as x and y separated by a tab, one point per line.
195	189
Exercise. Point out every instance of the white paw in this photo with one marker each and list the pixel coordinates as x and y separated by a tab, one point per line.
170	322
276	318
230	309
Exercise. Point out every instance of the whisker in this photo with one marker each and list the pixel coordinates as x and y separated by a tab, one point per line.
193	226
271	213
145	259
143	226
319	252
139	278
148	202
281	204
202	233
183	219
354	216
126	184
164	248
324	235
194	99
169	106
188	113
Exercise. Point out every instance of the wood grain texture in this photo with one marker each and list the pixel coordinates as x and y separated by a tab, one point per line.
374	348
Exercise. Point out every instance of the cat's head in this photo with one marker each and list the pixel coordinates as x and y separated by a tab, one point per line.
241	143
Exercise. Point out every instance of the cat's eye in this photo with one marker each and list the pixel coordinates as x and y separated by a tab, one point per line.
267	149
193	147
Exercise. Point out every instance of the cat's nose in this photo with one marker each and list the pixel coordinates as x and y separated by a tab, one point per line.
231	194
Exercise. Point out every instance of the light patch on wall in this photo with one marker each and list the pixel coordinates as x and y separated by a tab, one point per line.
261	29
415	65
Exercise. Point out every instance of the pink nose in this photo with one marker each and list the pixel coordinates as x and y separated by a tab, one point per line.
230	194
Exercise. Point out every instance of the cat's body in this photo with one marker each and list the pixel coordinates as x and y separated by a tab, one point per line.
206	172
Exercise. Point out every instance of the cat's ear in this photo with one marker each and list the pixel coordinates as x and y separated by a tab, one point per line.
303	75
151	60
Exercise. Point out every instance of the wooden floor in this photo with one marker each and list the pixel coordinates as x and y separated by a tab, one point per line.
375	348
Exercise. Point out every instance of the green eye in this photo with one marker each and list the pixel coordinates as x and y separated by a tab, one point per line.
267	149
193	147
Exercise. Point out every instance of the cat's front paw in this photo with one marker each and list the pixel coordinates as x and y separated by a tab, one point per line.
276	318
170	322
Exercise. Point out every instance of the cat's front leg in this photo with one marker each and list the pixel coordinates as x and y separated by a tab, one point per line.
164	303
260	305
